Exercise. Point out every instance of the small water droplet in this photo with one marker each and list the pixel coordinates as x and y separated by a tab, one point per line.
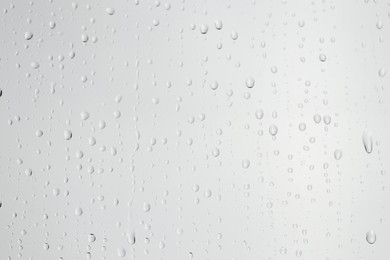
28	35
204	28
84	37
146	207
91	238
52	25
131	238
84	115
338	154
214	85
67	134
317	118
218	24
215	152
250	82
322	57
234	35
259	114
38	133
273	130
78	211
245	164
110	11
367	141
382	72
34	65
121	252
302	126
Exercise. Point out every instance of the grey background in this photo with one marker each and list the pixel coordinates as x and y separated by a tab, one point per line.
150	183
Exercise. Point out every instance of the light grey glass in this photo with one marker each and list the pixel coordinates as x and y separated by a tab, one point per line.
170	130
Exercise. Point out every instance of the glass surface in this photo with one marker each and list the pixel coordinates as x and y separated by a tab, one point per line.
171	130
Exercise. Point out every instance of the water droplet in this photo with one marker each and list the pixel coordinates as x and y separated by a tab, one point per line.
146	207
117	114
67	134
379	25
322	57
110	11
78	211
259	114
204	28
367	141
371	237
302	127
273	130
91	238
317	118
34	65
218	24
234	35
382	72
28	35
215	152
327	120
39	133
131	238
52	25
84	37
84	115
56	191
28	172
245	164
250	82
214	85
338	154
121	252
